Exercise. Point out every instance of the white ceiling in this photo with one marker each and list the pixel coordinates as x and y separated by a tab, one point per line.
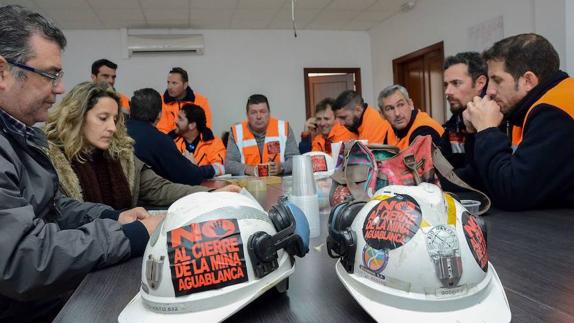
215	14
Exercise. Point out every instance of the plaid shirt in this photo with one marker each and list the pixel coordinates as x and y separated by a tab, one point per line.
16	125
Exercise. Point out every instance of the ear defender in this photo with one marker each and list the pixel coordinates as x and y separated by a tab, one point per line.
292	235
342	241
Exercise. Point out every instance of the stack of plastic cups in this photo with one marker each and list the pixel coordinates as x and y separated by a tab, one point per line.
304	193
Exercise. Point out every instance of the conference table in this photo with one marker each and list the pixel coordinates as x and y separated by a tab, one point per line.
533	253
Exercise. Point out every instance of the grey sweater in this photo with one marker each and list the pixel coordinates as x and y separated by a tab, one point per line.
233	163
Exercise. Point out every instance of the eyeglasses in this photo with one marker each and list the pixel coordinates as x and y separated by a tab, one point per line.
56	78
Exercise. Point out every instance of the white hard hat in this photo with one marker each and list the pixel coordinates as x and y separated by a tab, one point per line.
323	164
213	254
414	254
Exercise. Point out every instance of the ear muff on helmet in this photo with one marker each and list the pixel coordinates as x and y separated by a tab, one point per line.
292	235
342	241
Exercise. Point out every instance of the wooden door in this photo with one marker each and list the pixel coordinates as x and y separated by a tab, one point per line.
329	83
421	74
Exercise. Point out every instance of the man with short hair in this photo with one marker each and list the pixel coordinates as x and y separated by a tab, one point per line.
104	70
195	140
157	149
323	129
178	94
48	242
534	168
360	118
407	123
261	139
465	77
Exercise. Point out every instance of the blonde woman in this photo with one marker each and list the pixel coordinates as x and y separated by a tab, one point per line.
94	156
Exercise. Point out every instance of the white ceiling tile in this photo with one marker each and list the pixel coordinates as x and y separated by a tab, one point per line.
73	15
302	17
119	14
166	15
214	4
260	4
369	15
252	19
351	4
165	4
115	4
80	25
62	4
117	24
360	25
336	16
307	4
210	18
166	24
388	5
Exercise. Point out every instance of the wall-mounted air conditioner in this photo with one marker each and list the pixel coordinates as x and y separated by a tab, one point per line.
161	41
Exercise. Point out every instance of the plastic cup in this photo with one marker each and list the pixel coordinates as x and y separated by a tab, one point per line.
258	189
471	206
310	207
303	180
287	185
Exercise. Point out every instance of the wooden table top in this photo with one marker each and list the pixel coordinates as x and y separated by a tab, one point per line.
533	253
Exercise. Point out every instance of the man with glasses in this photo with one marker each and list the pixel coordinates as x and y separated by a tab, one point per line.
48	243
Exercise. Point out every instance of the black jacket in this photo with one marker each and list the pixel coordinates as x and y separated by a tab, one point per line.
158	150
540	172
455	128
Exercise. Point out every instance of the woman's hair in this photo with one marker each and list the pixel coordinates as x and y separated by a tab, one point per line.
66	122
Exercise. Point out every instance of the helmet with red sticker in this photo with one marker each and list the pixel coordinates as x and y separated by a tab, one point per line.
213	254
414	253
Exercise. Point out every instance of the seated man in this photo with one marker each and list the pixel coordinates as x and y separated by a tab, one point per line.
195	140
406	122
534	168
323	129
361	119
104	70
177	94
260	139
48	242
465	77
157	149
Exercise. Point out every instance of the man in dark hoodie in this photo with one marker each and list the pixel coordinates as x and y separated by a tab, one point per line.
464	78
178	94
534	168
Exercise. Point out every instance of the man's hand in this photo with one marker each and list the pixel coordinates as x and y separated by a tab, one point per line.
275	168
219	169
311	126
483	113
229	188
129	216
151	223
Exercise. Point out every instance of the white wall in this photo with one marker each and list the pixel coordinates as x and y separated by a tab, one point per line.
235	65
569	12
448	20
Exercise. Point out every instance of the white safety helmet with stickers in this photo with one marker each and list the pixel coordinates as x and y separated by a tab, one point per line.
323	164
213	254
415	254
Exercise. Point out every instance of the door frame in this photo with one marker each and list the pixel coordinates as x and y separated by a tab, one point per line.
339	70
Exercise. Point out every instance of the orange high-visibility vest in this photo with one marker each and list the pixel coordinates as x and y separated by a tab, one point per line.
373	127
124	102
170	110
422	119
561	96
337	133
207	152
273	148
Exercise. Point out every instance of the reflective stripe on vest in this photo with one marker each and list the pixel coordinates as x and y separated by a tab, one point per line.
561	97
277	131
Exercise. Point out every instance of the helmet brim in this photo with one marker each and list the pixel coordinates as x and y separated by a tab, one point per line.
488	305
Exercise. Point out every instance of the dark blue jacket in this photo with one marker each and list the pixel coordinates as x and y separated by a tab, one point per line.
157	150
540	173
